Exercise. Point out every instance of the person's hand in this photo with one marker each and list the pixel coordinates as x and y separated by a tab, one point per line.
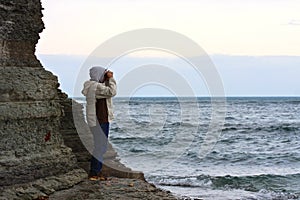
109	74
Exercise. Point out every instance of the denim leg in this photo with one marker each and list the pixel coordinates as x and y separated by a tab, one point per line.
100	135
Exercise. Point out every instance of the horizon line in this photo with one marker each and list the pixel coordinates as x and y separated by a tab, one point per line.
146	56
231	96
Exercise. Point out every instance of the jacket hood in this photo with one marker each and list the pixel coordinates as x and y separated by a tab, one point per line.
97	74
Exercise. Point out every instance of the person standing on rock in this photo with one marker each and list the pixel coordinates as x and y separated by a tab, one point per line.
99	91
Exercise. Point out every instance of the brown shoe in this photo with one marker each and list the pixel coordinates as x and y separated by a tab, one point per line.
94	178
102	177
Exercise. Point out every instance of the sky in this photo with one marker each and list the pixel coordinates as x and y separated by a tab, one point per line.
254	44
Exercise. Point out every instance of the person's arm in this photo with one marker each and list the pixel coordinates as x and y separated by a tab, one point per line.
103	91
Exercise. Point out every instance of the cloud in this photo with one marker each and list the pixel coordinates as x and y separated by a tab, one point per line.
294	22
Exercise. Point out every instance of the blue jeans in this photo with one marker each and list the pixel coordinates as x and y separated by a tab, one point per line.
100	135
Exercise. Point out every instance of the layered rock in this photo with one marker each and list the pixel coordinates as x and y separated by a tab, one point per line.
21	23
30	106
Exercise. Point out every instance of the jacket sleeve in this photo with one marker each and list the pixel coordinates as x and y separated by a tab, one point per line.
103	91
84	91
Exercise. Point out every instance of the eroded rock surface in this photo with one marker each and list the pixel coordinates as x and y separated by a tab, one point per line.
30	110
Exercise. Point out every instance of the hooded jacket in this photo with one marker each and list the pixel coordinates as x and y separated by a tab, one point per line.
93	90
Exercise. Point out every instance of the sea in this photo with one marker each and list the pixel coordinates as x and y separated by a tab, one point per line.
254	154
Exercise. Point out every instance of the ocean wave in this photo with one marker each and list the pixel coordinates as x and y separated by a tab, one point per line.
230	118
279	127
258	158
272	128
232	128
294	102
137	150
275	185
184	181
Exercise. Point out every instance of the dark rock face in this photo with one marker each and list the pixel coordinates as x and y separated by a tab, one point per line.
30	105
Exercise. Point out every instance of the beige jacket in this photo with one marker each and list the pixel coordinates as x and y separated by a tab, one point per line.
93	90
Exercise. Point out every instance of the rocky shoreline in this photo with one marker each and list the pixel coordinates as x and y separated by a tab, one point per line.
113	188
76	185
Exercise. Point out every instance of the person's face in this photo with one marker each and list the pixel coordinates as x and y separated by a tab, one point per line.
109	74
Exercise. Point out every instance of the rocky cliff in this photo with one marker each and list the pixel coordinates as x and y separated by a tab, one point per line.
30	105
